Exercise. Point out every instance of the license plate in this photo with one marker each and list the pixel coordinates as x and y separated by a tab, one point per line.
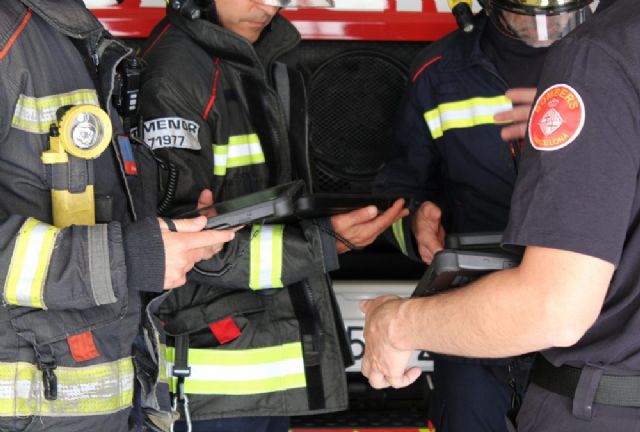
350	293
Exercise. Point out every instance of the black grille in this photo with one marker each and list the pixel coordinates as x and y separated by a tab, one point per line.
352	103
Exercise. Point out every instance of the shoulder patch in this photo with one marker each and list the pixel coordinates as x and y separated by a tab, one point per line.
173	132
557	118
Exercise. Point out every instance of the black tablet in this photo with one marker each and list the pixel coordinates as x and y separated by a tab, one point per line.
329	204
455	268
259	207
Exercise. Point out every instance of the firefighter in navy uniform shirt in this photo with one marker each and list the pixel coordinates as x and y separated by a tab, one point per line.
451	154
575	209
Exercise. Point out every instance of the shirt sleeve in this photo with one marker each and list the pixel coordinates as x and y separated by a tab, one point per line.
412	166
578	194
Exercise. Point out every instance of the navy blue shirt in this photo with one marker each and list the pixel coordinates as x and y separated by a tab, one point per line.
579	189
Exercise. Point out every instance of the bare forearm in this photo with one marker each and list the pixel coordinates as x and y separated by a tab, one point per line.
488	319
506	313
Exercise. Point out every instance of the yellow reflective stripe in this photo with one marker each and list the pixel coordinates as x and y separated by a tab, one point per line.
242	150
464	114
35	115
90	390
242	372
24	285
269	385
266	256
398	233
162	363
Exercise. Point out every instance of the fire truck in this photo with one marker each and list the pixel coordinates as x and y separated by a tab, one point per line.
357	56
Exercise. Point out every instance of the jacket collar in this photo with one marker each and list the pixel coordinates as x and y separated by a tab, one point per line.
70	17
276	40
465	49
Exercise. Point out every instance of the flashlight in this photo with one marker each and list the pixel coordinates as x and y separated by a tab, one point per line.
81	134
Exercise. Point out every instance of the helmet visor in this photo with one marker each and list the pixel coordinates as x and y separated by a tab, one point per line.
537	29
298	3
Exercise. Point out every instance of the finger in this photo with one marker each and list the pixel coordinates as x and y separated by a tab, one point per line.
504	116
425	254
382	222
204	239
521	95
343	222
377	380
190	225
521	113
404	380
514	132
205	199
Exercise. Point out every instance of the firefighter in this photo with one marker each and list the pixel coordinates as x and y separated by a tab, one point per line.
575	209
452	151
256	336
70	291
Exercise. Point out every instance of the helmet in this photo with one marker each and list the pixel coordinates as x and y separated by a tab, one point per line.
298	3
537	23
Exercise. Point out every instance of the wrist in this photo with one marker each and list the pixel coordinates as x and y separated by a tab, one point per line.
399	328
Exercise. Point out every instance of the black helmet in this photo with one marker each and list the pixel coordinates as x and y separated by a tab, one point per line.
537	23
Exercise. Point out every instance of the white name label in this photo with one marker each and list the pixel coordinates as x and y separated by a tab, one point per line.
171	132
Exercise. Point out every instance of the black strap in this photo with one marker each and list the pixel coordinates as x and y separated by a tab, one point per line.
312	342
181	369
170	224
612	389
294	101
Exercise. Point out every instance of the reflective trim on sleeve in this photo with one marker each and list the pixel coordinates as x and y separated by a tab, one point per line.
398	233
24	285
242	372
465	114
35	115
242	150
162	363
266	256
90	390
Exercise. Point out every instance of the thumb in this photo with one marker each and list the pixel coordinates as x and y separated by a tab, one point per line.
362	215
190	225
205	199
364	306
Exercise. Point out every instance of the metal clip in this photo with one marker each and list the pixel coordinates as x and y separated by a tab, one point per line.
49	380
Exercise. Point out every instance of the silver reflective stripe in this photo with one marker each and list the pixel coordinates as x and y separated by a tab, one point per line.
242	372
24	285
36	115
465	114
266	257
242	150
99	265
92	390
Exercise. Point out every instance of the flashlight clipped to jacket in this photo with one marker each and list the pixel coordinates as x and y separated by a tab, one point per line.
81	134
461	10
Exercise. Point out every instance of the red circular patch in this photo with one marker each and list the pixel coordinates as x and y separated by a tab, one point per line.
557	118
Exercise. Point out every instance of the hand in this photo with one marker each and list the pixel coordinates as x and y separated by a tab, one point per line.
383	364
522	99
428	231
361	227
189	245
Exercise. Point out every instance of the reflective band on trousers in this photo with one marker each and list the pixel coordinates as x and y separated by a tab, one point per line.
83	391
465	114
266	257
29	265
242	150
35	115
398	233
242	372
